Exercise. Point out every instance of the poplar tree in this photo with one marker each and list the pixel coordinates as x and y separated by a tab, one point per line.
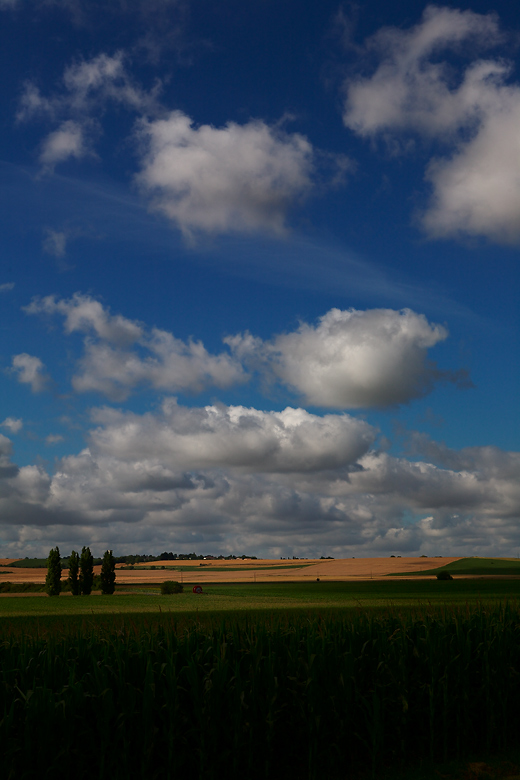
86	571
108	574
53	578
73	573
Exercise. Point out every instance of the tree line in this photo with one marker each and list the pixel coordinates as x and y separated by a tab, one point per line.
81	573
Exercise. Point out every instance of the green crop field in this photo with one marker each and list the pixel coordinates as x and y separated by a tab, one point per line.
474	567
266	596
315	680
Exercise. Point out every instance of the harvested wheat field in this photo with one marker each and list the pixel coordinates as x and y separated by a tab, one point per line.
276	570
247	570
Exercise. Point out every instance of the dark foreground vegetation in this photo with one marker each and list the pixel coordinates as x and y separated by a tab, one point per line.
297	694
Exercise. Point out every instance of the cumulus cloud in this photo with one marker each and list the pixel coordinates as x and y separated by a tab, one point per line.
477	191
221	436
350	359
474	110
13	424
30	370
121	354
410	88
237	178
233	478
353	359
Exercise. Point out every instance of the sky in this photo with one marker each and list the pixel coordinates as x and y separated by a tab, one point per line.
259	277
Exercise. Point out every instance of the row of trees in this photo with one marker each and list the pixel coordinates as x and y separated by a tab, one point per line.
81	573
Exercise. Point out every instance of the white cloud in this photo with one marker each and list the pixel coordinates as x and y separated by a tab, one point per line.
237	178
234	437
85	315
477	191
408	90
87	87
55	243
105	78
13	424
6	287
113	361
352	359
30	370
54	438
475	111
174	365
231	479
67	141
33	104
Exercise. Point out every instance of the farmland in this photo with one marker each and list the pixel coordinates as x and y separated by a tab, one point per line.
246	570
274	596
317	680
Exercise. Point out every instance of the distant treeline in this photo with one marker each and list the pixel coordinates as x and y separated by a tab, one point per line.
41	563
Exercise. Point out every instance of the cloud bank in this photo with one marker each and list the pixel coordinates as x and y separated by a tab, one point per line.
232	478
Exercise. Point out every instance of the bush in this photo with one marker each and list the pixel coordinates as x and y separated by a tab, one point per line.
171	586
22	587
444	575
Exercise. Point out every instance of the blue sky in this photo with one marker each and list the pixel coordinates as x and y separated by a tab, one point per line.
259	286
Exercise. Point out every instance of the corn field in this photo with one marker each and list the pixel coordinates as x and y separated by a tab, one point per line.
266	697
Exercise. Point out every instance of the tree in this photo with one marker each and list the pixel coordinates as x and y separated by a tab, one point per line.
73	573
108	574
53	578
86	571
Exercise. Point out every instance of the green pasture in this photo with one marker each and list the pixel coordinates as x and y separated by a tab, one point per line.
474	567
243	597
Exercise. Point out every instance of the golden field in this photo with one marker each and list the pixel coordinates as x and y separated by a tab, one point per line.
262	570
